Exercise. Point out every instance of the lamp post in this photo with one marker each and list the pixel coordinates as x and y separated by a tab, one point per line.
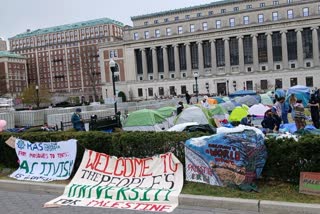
227	87
114	70
196	75
37	96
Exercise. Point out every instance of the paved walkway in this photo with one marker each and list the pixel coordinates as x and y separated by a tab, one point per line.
30	203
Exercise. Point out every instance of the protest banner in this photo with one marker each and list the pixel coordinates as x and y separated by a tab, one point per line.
310	183
149	184
45	161
225	159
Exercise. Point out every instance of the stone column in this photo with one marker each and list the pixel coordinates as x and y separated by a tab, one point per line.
144	64
188	59
176	62
200	58
315	46
299	48
227	55
155	63
241	53
255	52
213	56
284	49
270	51
165	62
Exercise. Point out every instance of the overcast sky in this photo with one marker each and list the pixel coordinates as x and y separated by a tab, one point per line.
18	15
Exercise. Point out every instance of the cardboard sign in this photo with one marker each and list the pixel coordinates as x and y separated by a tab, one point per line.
45	161
11	142
310	183
148	184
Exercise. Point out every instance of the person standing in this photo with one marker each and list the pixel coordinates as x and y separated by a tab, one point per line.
314	109
284	112
204	102
188	97
179	107
300	118
77	120
292	102
277	107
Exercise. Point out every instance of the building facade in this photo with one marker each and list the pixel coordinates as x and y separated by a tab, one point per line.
65	59
228	45
13	74
3	44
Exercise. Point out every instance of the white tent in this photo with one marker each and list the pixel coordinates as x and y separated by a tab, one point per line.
192	114
258	109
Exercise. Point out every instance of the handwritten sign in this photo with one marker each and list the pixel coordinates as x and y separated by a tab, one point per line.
310	183
45	161
149	184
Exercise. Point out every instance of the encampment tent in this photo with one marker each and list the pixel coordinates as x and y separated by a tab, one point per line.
248	100
301	92
194	114
243	93
145	120
218	112
168	112
266	99
238	113
258	110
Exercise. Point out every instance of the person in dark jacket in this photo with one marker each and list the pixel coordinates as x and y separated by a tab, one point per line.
246	120
271	121
77	120
188	97
180	107
314	109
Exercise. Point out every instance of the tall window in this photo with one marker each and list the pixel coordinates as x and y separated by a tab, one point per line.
140	92
234	51
307	43
220	52
305	11
249	85
170	51
247	50
262	4
290	14
146	34
293	81
149	60
192	28
157	33
150	92
260	18
206	47
168	31
161	91
180	30
136	36
160	59
309	81
275	16
290	1
231	22
194	55
278	83
218	23
204	26
275	2
138	61
182	57
262	48
292	44
246	20
276	46
264	84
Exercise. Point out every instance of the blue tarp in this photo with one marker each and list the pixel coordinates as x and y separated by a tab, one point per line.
243	93
291	127
235	158
301	92
219	99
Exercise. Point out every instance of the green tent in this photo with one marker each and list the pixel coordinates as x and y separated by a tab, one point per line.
144	117
167	111
217	110
194	114
266	99
238	113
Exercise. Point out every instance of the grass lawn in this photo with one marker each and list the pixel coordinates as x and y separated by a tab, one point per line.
275	191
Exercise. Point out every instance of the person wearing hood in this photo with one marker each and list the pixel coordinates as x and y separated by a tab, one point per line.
77	120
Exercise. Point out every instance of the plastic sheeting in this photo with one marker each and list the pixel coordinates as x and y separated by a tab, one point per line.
233	157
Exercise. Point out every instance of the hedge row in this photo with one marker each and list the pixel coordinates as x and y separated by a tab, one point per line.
286	158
